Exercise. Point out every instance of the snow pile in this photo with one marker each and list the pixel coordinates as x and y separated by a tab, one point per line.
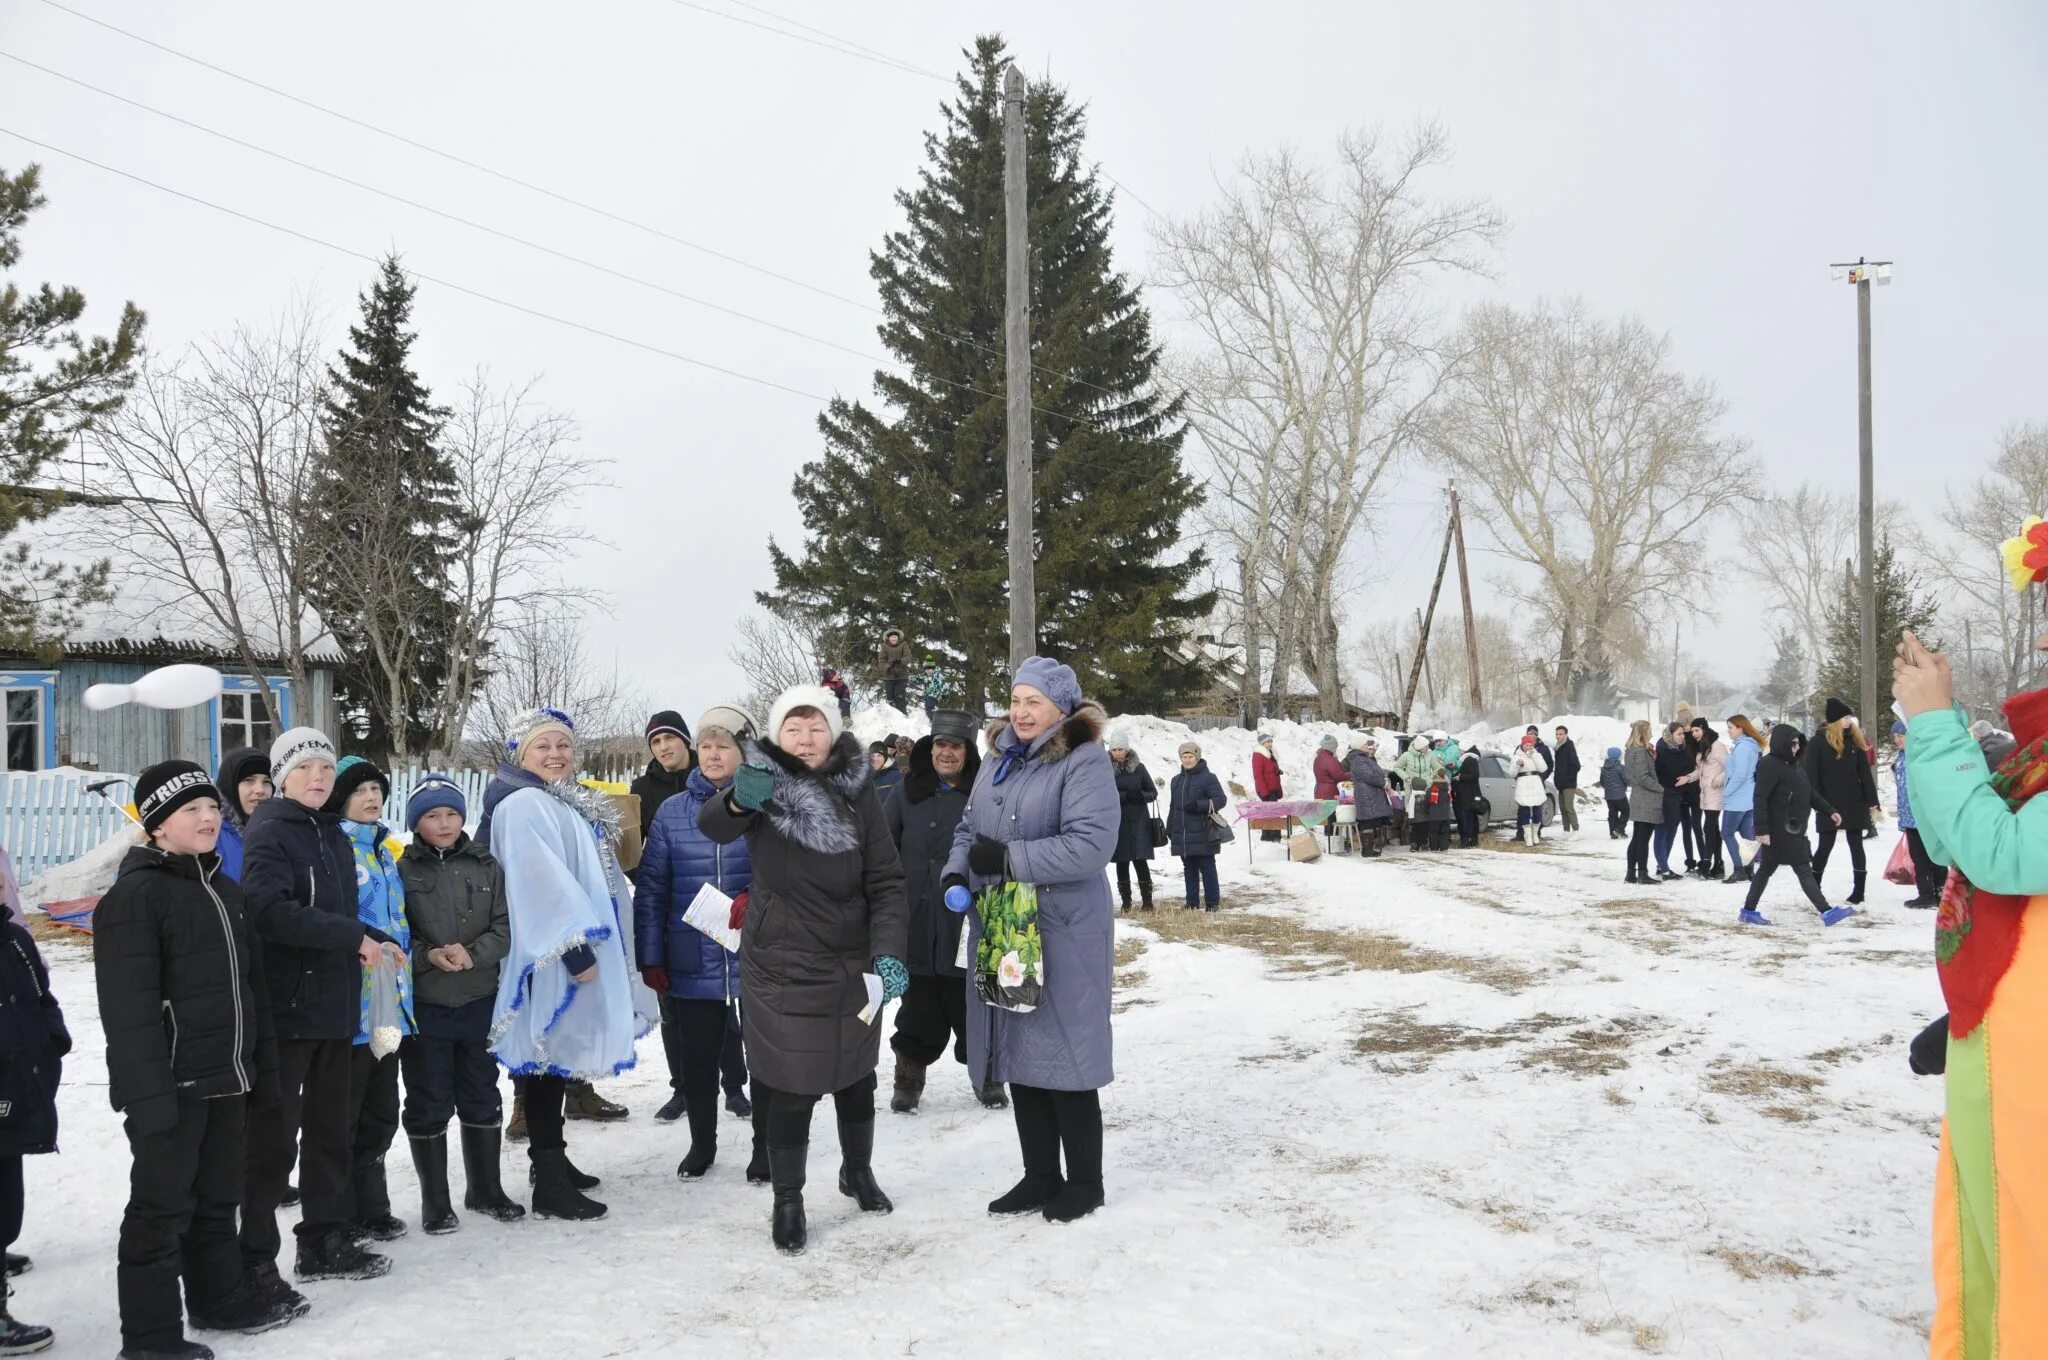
90	875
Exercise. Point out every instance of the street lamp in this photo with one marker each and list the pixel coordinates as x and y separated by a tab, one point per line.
1860	275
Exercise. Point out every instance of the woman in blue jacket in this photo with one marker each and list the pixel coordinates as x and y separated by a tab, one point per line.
696	977
244	782
1738	796
1194	794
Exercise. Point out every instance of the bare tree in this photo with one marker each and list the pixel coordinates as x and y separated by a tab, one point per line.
2003	623
1793	547
1388	651
775	652
541	656
1595	463
1309	291
209	467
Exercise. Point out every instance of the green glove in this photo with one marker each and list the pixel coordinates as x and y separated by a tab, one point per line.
895	977
753	787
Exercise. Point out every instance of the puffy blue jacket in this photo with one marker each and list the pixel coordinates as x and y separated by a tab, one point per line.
229	848
1738	791
680	859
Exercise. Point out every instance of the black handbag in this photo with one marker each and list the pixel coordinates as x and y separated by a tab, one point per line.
1159	837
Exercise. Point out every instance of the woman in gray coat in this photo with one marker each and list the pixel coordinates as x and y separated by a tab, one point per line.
1369	801
1044	811
826	907
1645	800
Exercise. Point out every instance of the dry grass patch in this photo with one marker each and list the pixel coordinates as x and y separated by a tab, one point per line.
1759	1265
48	934
1650	923
1616	1098
1598	1051
1287	1052
1299	950
1129	948
1398	1042
1779	1093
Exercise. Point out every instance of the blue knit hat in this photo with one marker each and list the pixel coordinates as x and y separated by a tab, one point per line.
1054	680
1614	753
435	791
1899	727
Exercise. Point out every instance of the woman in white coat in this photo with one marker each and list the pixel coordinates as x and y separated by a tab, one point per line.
1529	767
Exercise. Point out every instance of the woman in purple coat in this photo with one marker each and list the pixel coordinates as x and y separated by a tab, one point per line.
1044	811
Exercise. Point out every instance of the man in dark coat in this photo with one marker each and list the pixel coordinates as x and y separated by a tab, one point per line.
668	742
1785	802
922	819
894	656
33	1036
1564	775
190	1047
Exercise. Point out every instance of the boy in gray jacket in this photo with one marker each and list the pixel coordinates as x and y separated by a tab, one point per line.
461	930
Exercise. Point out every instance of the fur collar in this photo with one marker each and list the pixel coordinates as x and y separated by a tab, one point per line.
1082	726
592	805
1128	765
814	807
923	781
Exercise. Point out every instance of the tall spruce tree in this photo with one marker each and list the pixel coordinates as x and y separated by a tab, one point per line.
386	481
905	511
1901	604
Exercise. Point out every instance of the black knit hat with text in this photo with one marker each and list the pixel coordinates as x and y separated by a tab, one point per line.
162	789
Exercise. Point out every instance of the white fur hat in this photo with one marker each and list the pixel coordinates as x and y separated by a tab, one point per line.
804	696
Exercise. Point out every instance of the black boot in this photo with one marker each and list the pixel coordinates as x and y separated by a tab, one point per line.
703	1141
246	1309
1145	894
856	1169
336	1255
1856	897
1038	1137
786	1225
484	1191
910	1080
1079	1117
184	1350
555	1195
21	1338
582	1180
430	1163
992	1096
374	1219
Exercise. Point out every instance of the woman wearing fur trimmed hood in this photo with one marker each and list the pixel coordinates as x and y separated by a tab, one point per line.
570	1000
1044	811
826	906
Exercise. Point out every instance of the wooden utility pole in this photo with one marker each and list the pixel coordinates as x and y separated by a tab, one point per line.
1477	697
1428	678
1861	275
1017	367
1443	560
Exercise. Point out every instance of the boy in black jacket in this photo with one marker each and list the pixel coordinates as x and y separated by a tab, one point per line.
33	1036
1784	801
189	1050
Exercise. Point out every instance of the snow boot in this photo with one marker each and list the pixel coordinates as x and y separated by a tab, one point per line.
184	1350
1920	903
910	1081
17	1264
336	1255
1834	916
992	1096
1145	895
555	1195
264	1279
786	1220
1739	876
430	1162
675	1108
703	1145
246	1309
20	1338
583	1102
515	1128
1074	1200
738	1106
1038	1138
290	1198
758	1170
856	1168
1856	897
484	1193
1752	917
582	1180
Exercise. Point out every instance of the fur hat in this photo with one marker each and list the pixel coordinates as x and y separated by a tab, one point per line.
163	788
953	724
803	696
1055	681
669	721
294	748
734	722
435	791
531	724
350	775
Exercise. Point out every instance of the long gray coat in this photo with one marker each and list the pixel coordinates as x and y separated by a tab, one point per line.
1058	814
827	898
1645	792
1368	787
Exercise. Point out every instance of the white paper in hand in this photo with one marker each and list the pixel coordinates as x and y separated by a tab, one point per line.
871	1012
711	912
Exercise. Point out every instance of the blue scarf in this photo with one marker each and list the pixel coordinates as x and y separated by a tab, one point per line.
1012	756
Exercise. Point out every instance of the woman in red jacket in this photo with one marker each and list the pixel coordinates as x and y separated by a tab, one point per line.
1329	770
1266	777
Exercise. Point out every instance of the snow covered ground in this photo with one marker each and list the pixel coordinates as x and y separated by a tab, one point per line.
1488	1103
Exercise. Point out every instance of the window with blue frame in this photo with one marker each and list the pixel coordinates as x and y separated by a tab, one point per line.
28	735
242	719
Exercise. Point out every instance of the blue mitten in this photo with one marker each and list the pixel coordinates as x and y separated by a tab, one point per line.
753	787
895	977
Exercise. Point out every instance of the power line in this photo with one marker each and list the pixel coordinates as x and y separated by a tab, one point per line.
553	194
839	45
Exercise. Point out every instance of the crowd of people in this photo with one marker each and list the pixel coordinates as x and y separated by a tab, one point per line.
283	983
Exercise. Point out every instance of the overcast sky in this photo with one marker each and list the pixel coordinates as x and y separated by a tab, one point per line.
1698	166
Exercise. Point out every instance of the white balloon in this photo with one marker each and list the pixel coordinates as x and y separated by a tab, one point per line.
180	686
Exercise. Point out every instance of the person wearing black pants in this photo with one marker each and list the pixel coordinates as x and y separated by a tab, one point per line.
373	1100
1785	802
731	1067
1837	766
1929	876
1646	801
34	1038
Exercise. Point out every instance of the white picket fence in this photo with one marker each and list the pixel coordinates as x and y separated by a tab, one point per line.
47	820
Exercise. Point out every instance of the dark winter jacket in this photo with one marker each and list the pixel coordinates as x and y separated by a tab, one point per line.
181	988
887	782
1674	762
922	819
895	658
1614	781
1329	771
826	901
1549	760
455	896
654	788
299	879
1135	795
1790	798
1645	788
33	1042
1845	780
1565	767
1466	790
237	765
1192	796
1369	800
679	860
